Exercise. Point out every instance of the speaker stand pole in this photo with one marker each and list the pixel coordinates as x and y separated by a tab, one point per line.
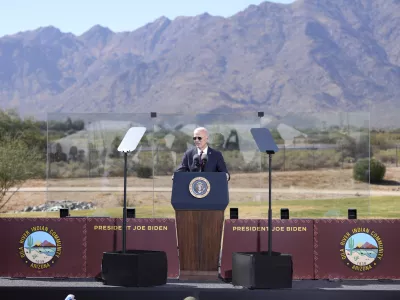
124	211
270	206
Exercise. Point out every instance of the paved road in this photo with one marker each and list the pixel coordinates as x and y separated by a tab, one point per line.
232	190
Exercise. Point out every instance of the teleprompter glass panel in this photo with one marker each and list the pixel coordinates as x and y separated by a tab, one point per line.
83	160
313	171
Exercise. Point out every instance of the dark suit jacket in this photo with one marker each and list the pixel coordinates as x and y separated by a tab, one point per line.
215	162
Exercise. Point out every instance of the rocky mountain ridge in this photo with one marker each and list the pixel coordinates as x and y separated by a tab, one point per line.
308	56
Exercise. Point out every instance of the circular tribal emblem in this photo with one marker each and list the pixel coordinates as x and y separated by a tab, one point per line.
40	247
362	249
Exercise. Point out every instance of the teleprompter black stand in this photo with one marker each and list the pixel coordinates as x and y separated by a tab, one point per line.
133	268
263	270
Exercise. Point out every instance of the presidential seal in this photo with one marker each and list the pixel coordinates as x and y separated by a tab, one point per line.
40	247
361	249
199	187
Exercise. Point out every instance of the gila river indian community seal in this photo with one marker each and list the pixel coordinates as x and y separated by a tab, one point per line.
40	247
361	249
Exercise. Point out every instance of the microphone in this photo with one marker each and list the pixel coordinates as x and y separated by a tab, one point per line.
204	160
196	163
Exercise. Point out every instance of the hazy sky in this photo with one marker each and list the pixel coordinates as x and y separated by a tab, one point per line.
77	16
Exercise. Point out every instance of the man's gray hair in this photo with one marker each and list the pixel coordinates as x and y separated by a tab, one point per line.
201	129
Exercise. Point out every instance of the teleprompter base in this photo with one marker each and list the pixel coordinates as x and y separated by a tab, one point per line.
258	270
135	268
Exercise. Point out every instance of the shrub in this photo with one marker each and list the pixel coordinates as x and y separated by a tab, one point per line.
144	172
362	171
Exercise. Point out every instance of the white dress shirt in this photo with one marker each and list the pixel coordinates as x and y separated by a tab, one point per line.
205	151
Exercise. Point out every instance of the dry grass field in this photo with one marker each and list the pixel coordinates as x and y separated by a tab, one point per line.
305	192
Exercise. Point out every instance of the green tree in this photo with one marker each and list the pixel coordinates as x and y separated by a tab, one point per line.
78	125
218	141
73	153
68	123
18	163
114	147
347	147
28	130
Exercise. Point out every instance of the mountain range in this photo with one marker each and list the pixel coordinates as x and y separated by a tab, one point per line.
308	56
45	243
366	245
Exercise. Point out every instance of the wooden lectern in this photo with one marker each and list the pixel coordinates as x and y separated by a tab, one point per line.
199	200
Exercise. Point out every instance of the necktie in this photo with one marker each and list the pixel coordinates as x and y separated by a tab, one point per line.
201	162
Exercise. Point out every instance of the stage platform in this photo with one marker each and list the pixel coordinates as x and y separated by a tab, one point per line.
87	289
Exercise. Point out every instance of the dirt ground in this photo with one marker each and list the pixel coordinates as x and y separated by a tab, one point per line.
312	184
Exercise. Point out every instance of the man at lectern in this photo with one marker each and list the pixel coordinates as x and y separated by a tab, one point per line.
202	158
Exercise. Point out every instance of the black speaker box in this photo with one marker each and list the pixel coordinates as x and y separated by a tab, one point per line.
134	268
64	212
258	270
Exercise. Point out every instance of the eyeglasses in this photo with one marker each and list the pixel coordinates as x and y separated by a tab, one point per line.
197	137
